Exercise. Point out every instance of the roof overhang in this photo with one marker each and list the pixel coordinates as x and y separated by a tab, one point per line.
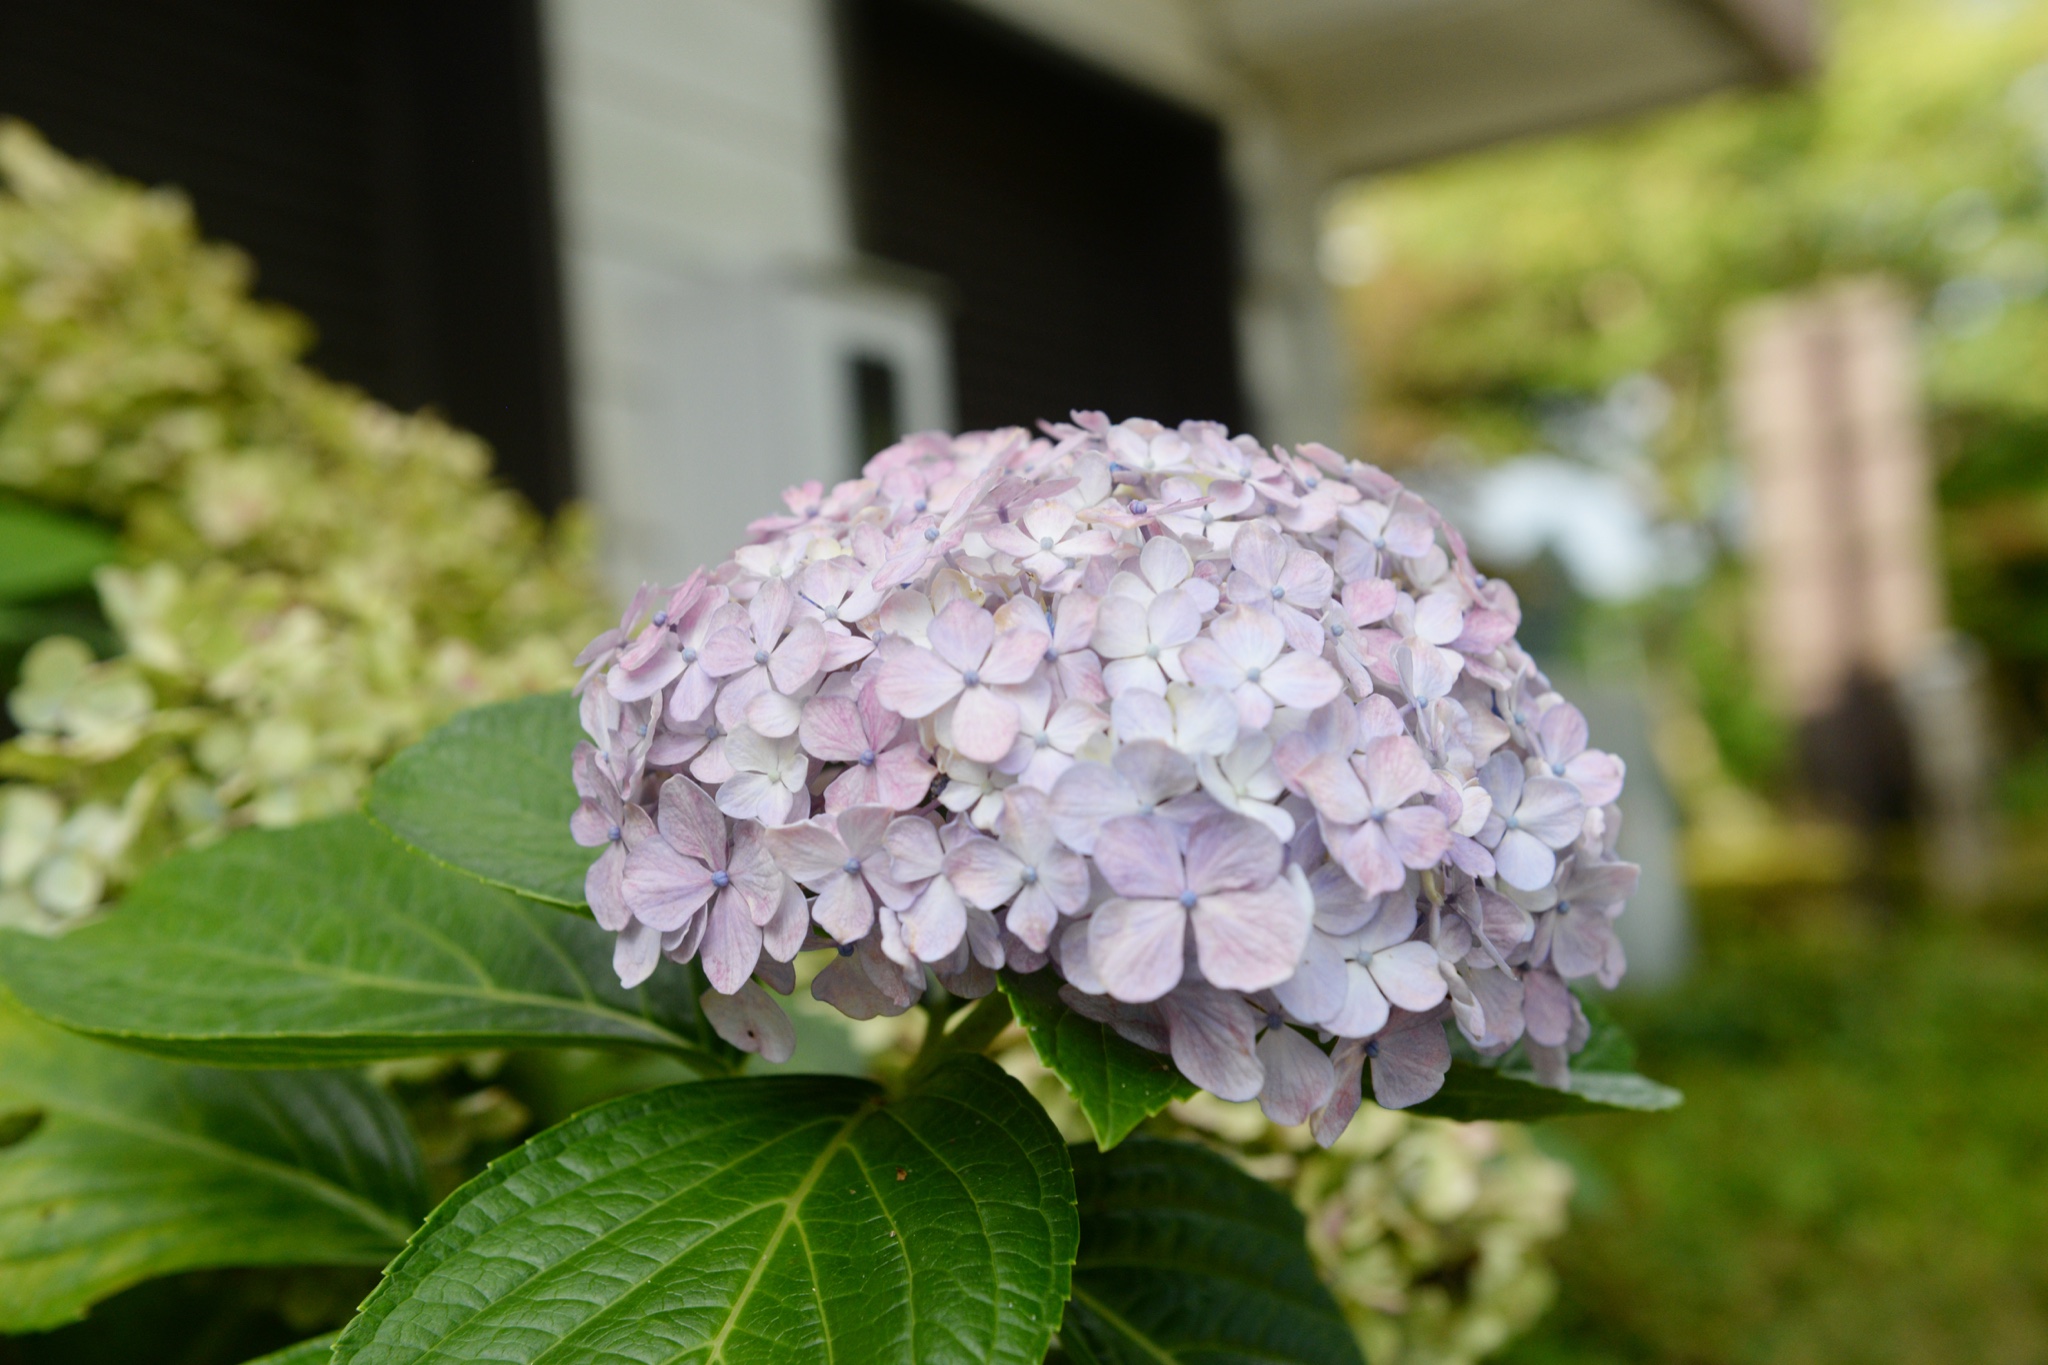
1364	85
1368	84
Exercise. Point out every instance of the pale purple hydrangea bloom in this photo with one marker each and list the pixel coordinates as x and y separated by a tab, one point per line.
1234	740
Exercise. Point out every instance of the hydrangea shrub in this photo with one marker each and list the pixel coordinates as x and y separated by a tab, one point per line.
1235	742
299	581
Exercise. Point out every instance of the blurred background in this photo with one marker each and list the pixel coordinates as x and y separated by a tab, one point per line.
1720	325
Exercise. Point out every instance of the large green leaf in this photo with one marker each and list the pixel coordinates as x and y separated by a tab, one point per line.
332	943
490	792
1117	1084
43	552
772	1220
1185	1258
318	1351
124	1167
1472	1091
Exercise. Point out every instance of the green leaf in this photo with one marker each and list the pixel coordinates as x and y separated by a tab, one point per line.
490	792
315	1352
1472	1091
769	1220
331	943
141	1167
44	552
1184	1257
1117	1084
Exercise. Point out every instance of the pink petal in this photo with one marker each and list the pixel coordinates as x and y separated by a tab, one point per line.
1370	859
1299	1077
1551	810
1032	917
1439	618
933	926
842	649
1502	777
635	954
1418	835
1307	579
1597	775
1364	1011
1301	680
984	872
1156	772
662	887
751	1021
862	829
1250	940
1260	553
1225	853
604	889
1411	1062
1333	787
1015	658
961	635
1120	628
844	909
729	650
1165	563
1206	664
1249	639
1524	861
1369	601
739	691
1172	619
1407	975
1579	942
915	853
691	822
1409	535
902	777
1316	990
1139	855
807	852
1394	770
985	724
1547	1008
653	674
797	659
1086	796
731	946
832	730
692	695
1471	857
915	682
1328	1123
783	935
755	876
1425	670
1561	733
1064	877
1210	1033
1135	948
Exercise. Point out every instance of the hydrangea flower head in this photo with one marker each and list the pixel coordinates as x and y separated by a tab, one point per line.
1234	741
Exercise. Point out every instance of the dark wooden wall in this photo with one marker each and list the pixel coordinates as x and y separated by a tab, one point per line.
384	161
1085	227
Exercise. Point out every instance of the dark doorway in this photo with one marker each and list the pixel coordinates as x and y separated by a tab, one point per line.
384	162
1084	225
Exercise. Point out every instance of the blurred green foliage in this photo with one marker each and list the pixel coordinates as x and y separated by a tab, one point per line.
1854	1176
1499	286
302	580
